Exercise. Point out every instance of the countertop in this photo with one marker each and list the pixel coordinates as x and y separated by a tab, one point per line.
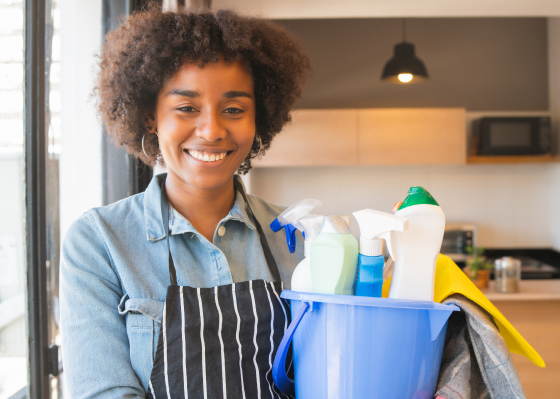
529	290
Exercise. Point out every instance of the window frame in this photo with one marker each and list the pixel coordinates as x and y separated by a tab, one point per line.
35	197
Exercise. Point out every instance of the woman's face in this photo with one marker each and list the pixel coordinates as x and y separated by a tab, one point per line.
205	119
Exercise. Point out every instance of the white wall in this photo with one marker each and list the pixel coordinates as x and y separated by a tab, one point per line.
554	83
80	159
509	203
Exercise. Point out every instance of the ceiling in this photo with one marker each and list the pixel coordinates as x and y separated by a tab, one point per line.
295	9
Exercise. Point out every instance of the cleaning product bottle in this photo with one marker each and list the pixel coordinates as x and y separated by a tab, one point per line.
301	277
286	220
417	247
374	227
334	258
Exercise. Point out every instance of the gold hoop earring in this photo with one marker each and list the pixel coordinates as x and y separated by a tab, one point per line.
257	137
143	149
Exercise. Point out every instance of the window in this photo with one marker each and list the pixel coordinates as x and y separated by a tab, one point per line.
55	163
13	333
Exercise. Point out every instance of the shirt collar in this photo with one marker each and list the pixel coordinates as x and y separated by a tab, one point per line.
178	223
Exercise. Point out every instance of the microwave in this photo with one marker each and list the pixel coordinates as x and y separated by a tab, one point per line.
456	238
512	136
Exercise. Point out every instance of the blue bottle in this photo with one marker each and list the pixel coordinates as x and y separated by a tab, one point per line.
374	227
369	278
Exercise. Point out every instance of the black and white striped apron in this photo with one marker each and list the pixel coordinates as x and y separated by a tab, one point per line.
219	342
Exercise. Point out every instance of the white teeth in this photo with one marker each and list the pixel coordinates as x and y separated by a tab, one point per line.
207	157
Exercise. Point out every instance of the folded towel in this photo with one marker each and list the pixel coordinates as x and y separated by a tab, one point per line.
476	362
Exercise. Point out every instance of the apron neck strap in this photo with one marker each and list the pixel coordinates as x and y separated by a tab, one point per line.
165	220
271	262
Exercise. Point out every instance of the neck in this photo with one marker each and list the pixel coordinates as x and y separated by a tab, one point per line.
203	208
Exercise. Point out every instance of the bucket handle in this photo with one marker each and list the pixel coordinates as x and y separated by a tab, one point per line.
281	379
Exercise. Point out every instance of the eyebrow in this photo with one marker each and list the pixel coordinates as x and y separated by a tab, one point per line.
233	94
194	94
183	93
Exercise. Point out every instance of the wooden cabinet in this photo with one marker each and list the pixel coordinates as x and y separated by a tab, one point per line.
534	311
412	136
381	136
315	138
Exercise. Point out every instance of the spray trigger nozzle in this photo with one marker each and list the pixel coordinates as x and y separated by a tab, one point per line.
289	220
375	225
291	238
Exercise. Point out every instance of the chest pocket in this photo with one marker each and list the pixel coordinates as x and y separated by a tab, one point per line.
143	321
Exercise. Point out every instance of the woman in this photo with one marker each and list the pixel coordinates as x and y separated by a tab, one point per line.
175	292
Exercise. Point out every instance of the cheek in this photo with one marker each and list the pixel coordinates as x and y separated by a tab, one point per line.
245	137
173	133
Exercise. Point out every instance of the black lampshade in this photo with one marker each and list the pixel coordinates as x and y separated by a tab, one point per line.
404	62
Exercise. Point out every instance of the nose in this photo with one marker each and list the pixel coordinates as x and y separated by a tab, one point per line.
210	126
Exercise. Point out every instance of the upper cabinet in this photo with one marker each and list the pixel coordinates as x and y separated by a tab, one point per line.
315	138
412	136
380	136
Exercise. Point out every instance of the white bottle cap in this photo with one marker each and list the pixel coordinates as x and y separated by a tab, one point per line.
371	247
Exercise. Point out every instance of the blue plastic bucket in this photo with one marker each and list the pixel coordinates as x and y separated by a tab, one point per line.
351	347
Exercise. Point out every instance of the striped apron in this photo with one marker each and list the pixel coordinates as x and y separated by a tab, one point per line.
219	342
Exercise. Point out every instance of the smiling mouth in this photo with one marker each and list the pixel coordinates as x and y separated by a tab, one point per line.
207	156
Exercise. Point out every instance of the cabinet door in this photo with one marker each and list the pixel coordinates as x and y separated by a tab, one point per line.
315	138
412	136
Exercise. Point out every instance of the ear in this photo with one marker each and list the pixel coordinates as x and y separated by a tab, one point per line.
151	122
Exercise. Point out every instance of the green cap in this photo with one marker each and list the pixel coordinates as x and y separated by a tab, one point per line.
418	196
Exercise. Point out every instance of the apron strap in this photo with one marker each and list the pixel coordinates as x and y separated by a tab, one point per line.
271	262
165	218
266	249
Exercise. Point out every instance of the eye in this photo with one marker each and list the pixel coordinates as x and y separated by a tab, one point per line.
233	111
187	109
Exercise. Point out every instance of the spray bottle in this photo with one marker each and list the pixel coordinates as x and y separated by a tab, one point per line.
334	258
374	227
301	278
417	247
287	219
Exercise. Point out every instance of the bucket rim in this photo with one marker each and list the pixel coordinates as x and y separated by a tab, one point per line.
367	301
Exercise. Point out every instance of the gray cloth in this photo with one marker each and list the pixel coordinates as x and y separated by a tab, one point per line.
476	361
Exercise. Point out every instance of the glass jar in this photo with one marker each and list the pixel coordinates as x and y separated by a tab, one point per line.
508	274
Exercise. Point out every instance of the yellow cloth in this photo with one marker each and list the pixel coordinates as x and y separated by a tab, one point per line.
451	280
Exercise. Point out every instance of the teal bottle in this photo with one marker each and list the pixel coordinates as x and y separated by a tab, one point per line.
334	258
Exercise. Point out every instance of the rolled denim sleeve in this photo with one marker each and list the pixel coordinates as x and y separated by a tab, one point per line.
95	346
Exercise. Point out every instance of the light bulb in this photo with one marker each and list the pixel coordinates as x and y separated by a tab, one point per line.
405	77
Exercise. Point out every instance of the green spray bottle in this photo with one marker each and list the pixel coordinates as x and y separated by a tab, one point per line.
334	258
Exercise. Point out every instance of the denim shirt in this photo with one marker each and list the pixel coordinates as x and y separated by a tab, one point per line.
115	274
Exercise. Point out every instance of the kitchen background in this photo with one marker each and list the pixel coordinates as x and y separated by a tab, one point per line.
489	66
491	57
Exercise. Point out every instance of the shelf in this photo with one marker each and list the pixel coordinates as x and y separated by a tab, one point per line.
512	159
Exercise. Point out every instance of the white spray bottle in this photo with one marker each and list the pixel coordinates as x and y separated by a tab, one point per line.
374	227
417	247
301	278
287	219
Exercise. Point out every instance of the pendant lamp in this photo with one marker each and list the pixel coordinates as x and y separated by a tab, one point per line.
404	67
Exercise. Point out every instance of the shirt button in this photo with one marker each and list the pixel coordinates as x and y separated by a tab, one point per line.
221	231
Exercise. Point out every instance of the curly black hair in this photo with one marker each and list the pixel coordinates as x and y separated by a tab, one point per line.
151	46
